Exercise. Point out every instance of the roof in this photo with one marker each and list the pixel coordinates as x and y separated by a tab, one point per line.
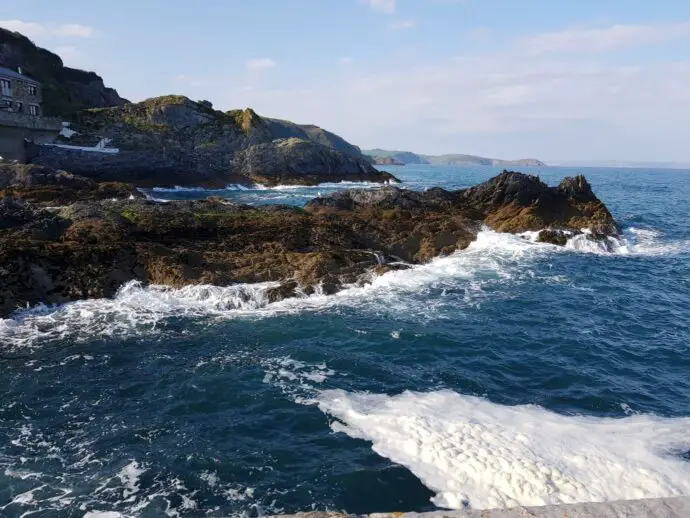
8	72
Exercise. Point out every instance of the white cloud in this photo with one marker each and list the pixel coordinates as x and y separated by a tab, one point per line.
402	25
384	6
39	30
345	60
260	64
603	39
74	30
508	105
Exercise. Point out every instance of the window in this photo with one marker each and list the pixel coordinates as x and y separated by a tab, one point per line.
33	91
5	87
19	107
33	109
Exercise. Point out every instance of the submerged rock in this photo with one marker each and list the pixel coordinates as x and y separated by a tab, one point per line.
91	247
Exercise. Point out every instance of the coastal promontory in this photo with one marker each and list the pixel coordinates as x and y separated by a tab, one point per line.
172	140
65	237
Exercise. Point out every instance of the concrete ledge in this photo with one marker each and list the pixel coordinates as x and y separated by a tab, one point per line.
653	508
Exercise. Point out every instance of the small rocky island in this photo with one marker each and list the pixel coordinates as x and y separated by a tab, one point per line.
65	237
172	140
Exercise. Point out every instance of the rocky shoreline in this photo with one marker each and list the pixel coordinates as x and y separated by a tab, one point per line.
65	237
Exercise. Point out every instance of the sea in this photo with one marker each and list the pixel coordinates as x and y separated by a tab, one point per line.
510	373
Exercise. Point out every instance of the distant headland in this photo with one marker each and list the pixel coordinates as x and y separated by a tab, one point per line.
386	157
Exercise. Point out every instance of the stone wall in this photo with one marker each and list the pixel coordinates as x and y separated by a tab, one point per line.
22	120
652	508
17	128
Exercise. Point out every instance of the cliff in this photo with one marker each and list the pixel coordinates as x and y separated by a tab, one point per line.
173	140
407	157
65	90
478	160
404	157
385	160
93	244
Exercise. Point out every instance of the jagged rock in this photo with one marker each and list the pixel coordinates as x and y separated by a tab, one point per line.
386	198
89	248
515	202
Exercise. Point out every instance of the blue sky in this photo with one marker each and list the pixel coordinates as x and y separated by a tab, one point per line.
552	79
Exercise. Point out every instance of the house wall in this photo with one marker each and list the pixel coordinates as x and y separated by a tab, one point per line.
20	93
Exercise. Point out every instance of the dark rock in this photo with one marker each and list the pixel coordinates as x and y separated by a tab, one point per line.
89	248
48	187
555	237
286	290
577	188
386	198
15	213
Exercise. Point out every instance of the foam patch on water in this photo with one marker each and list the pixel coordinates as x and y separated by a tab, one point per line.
296	379
475	453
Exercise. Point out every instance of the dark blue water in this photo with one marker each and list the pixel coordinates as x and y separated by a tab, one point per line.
508	373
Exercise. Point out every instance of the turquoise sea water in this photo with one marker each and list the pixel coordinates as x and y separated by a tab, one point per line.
508	373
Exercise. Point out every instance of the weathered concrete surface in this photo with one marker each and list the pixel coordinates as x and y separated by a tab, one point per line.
653	508
15	128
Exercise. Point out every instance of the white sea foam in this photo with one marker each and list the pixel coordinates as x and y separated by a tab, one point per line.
633	242
329	185
135	308
475	453
229	187
489	268
295	378
260	187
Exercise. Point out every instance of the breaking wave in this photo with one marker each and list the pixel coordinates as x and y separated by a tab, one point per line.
260	187
486	269
230	187
475	453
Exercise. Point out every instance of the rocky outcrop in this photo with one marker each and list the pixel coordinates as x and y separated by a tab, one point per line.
175	141
474	160
43	186
65	90
386	160
90	248
404	157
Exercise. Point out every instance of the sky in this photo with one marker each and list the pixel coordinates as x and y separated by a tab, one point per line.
550	79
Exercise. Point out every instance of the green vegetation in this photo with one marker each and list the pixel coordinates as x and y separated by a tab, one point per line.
129	215
244	119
